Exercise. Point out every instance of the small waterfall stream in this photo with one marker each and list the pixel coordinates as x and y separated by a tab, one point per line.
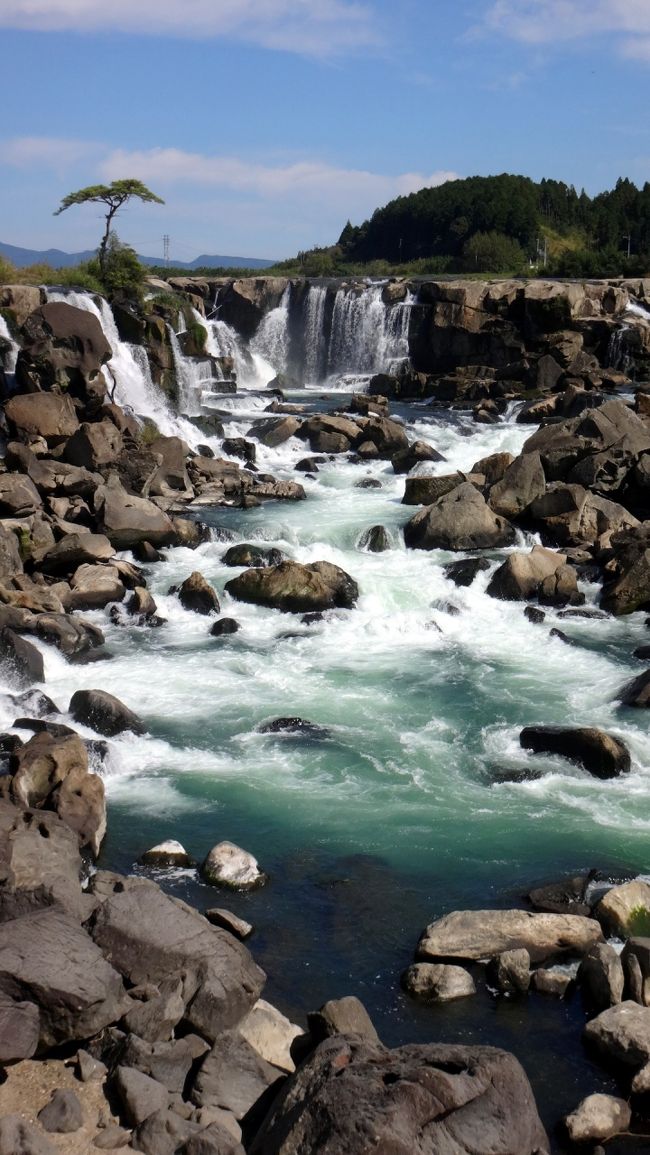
367	335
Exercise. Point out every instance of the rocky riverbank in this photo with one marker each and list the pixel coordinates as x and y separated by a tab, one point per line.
160	1009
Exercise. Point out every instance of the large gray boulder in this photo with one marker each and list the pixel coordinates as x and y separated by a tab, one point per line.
63	347
621	1034
48	415
296	588
104	713
521	574
147	936
598	1118
127	520
233	1076
39	862
358	1097
47	959
478	934
460	520
95	445
521	483
601	976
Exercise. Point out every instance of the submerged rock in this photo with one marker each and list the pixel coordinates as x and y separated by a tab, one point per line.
375	539
104	713
198	595
597	1119
437	982
169	853
298	726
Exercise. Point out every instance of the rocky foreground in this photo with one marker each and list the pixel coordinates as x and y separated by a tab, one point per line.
127	1019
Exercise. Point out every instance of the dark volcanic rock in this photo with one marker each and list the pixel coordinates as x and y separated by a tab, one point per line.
599	753
198	595
637	692
462	573
252	555
354	1096
104	713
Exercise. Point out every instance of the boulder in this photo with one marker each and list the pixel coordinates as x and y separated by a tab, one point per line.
427	490
522	482
637	692
228	865
601	976
354	1095
233	1076
405	459
139	1095
171	478
478	934
271	1034
346	1016
521	574
19	496
10	559
104	713
230	922
141	604
39	856
551	982
198	595
460	520
148	936
375	540
43	763
19	1026
635	961
47	959
629	589
571	515
18	1137
73	550
95	586
63	1113
163	1132
296	588
48	415
127	519
24	657
597	1119
274	431
63	347
510	971
80	801
168	853
252	555
71	635
625	910
167	1061
600	753
387	435
94	445
621	1034
437	982
463	573
223	627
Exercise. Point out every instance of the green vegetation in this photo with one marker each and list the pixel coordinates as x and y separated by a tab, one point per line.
638	923
113	197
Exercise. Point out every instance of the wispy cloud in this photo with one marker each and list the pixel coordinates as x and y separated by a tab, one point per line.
47	152
308	27
308	178
554	21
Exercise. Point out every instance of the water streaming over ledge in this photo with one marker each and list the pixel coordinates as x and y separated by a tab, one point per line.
416	798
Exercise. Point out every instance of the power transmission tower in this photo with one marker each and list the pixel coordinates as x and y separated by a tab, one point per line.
166	249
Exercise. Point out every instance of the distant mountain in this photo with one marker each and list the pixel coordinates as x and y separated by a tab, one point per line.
60	260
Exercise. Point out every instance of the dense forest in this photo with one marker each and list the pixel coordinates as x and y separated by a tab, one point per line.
499	224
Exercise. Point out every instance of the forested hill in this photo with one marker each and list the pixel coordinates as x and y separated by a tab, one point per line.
455	220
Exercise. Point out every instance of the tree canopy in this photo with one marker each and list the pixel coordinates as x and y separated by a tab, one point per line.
113	196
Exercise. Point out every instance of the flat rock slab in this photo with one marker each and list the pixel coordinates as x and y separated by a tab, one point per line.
357	1096
478	934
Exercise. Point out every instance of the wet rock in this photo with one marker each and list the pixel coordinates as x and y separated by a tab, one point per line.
346	1016
169	853
104	713
141	604
23	656
560	588
238	447
275	430
298	726
375	539
71	635
296	588
228	865
550	982
461	520
637	692
534	615
597	1119
405	459
63	1113
230	922
252	555
463	573
621	1034
427	490
521	575
601	976
625	909
223	627
437	983
565	897
478	934
354	1095
510	971
600	753
555	633
198	595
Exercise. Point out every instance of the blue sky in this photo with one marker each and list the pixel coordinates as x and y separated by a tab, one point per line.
266	124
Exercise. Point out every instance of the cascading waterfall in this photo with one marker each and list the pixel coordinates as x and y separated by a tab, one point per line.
193	377
618	353
11	356
315	359
367	335
271	341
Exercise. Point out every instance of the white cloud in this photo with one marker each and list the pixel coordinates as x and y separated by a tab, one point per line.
550	21
310	27
313	180
46	152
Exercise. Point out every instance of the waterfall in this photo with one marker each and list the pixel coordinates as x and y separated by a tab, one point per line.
129	372
10	357
620	351
367	335
193	377
314	337
271	341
